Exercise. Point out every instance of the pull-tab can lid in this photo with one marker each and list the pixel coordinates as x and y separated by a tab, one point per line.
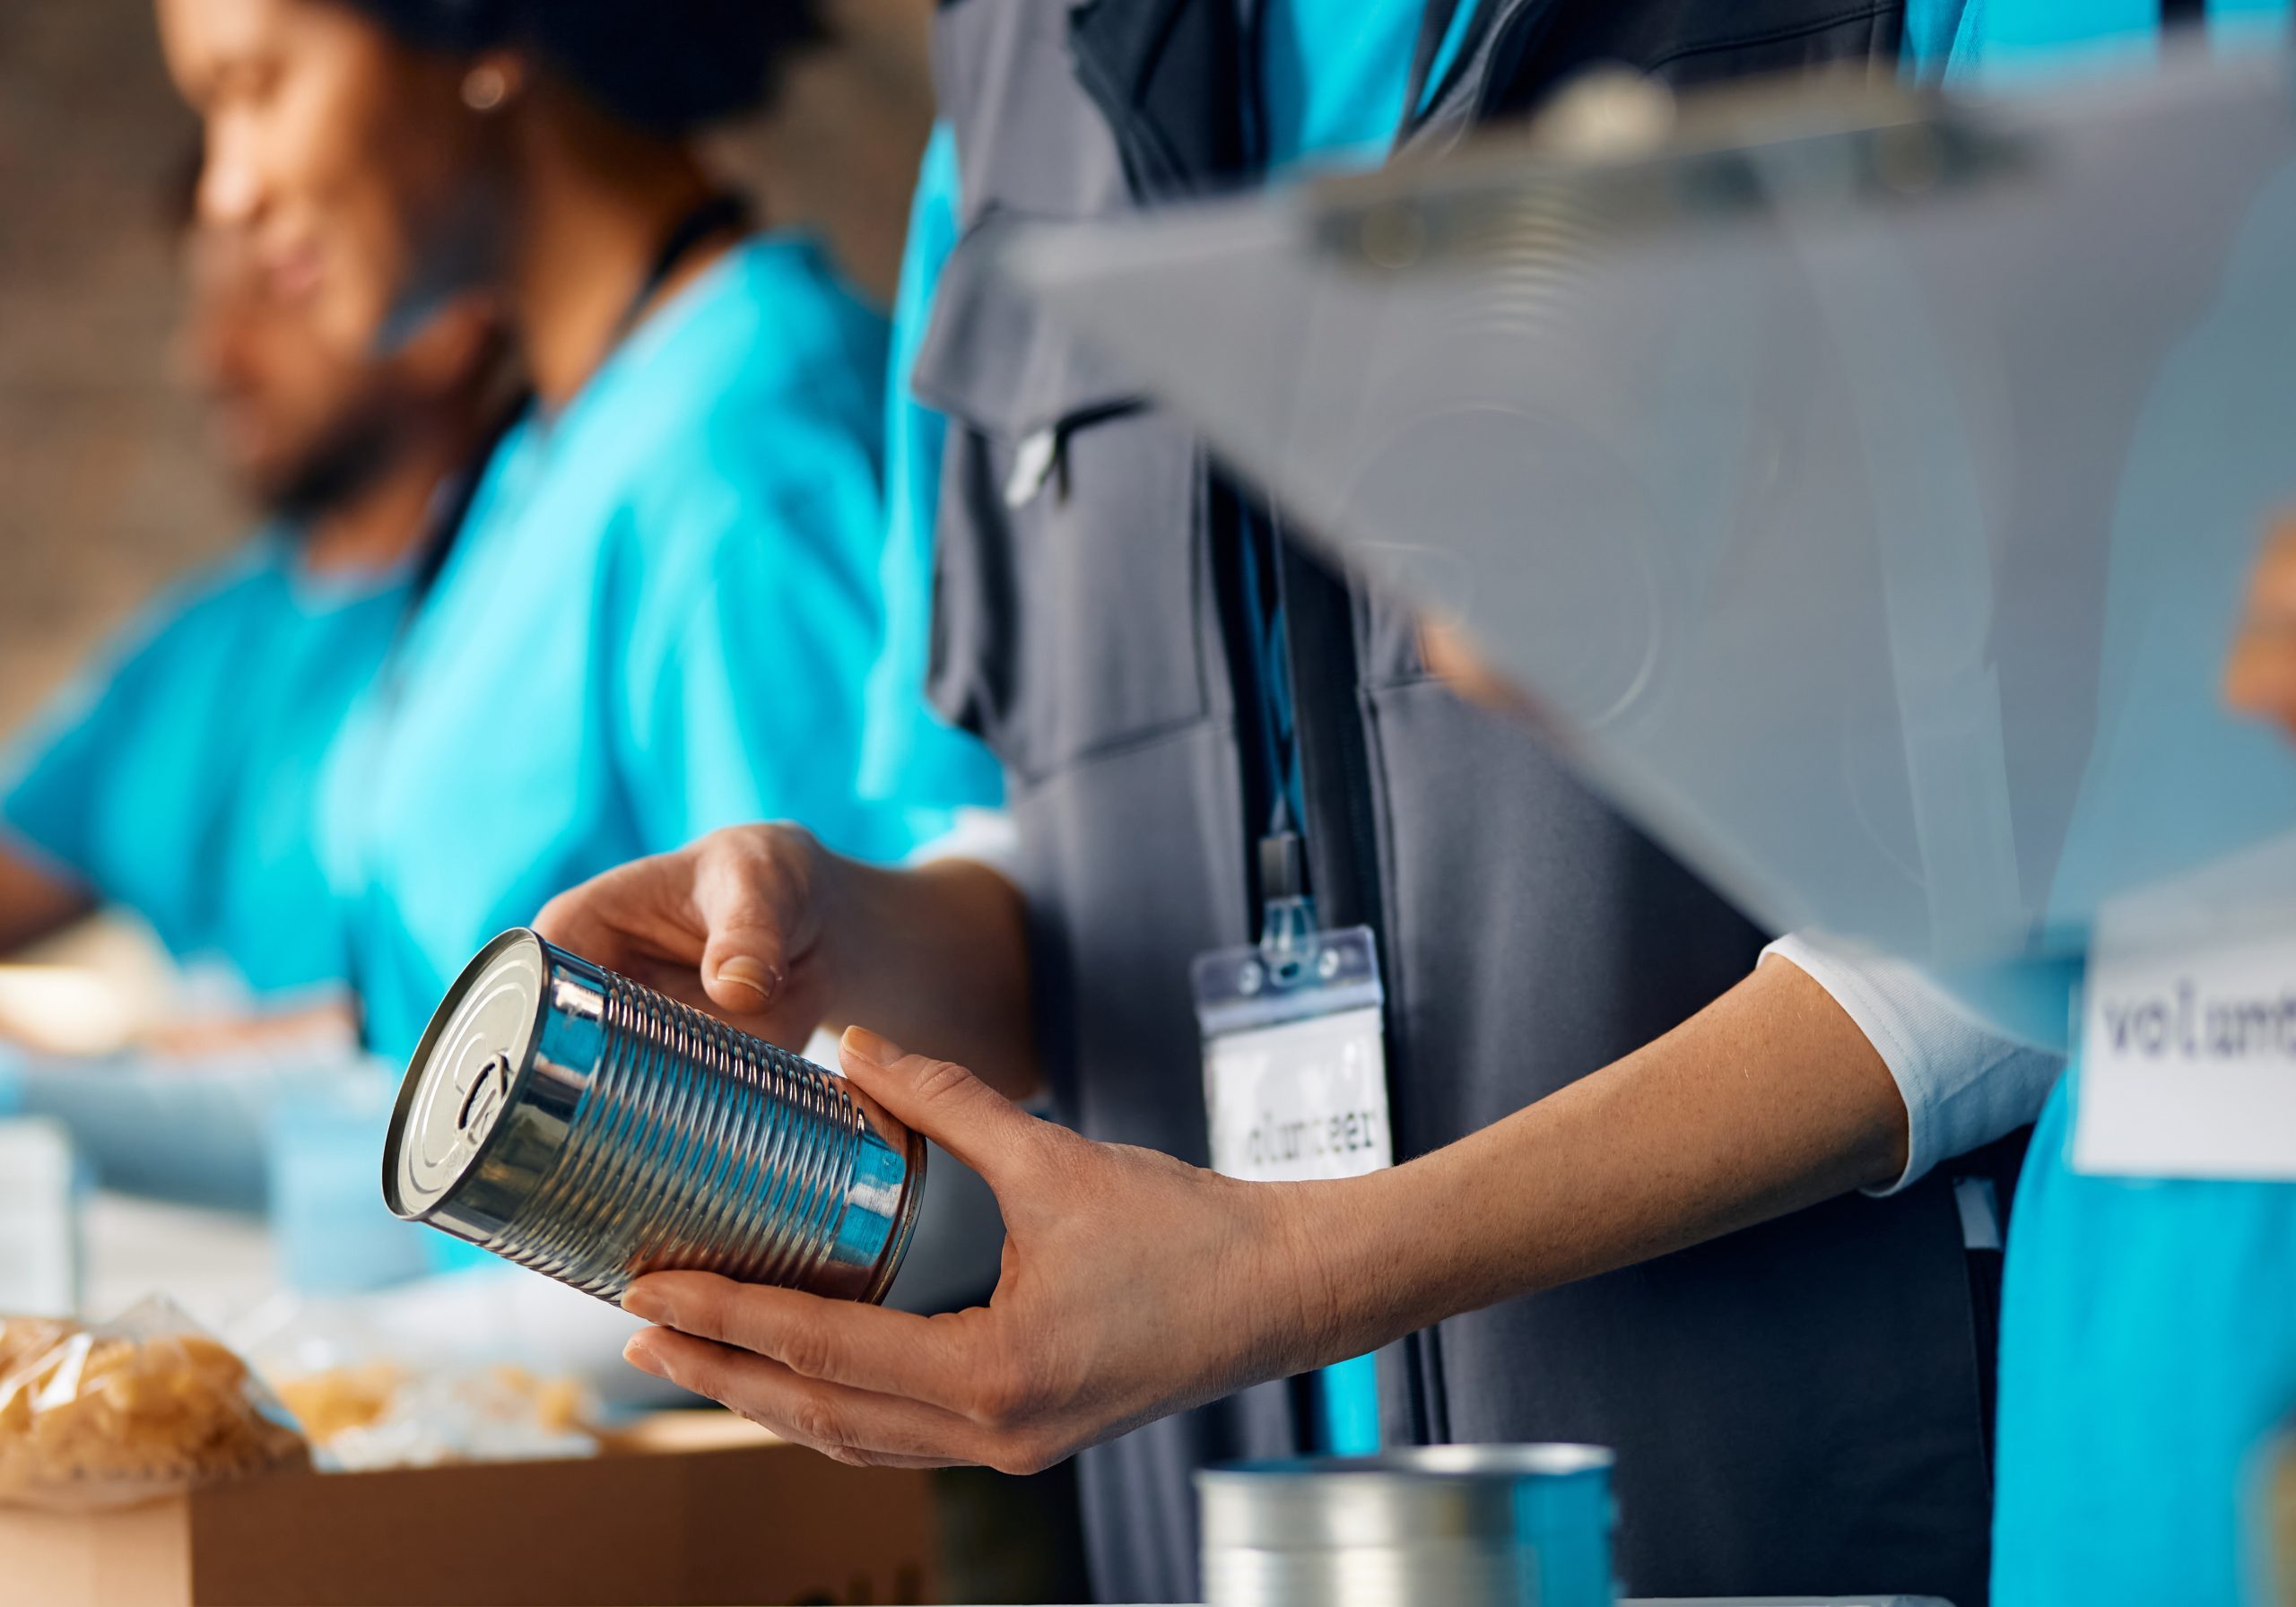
464	1075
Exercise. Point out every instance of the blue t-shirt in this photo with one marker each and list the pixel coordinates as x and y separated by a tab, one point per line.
2001	42
2148	1341
1333	74
178	776
660	619
2148	1355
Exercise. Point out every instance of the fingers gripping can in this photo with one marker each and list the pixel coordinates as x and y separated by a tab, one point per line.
572	1121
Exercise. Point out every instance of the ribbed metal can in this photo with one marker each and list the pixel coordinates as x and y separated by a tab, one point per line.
1466	1525
579	1123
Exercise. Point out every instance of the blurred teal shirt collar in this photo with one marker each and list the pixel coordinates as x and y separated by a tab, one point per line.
2003	42
1334	74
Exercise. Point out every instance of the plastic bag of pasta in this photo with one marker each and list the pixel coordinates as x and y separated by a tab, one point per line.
126	1412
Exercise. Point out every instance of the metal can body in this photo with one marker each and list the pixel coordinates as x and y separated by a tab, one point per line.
574	1122
1466	1526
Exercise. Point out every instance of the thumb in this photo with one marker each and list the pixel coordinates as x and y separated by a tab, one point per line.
741	967
757	920
982	1128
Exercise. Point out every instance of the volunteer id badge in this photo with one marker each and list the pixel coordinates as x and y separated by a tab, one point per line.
2187	1050
1295	1063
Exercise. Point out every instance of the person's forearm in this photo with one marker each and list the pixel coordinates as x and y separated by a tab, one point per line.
1135	1285
1768	1100
34	903
942	964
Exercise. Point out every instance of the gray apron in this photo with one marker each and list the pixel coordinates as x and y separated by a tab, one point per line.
1797	1407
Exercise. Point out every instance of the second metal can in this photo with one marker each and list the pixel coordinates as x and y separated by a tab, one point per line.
579	1123
1466	1525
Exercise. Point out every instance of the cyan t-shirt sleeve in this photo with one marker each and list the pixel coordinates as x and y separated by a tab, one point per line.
910	753
49	780
55	774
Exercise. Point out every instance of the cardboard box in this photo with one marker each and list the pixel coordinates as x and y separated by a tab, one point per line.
691	1508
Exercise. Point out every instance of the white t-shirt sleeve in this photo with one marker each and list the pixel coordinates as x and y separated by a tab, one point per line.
979	833
985	837
1964	1084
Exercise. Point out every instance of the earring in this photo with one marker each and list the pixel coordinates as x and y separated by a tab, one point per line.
485	87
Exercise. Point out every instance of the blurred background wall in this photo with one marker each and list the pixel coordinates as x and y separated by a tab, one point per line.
104	491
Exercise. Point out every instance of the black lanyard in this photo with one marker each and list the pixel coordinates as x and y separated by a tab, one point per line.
722	212
715	214
450	509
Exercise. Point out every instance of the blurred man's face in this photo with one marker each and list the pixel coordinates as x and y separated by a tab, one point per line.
301	417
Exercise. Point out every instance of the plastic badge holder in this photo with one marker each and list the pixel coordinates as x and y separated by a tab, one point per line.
1867	484
1294	1056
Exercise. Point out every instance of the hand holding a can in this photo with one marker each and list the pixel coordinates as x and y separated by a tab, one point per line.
768	931
731	925
1133	1285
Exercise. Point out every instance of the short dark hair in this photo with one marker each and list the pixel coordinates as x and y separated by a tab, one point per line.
667	65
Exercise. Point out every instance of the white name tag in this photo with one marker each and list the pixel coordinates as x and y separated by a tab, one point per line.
2188	1063
1295	1067
1301	1102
